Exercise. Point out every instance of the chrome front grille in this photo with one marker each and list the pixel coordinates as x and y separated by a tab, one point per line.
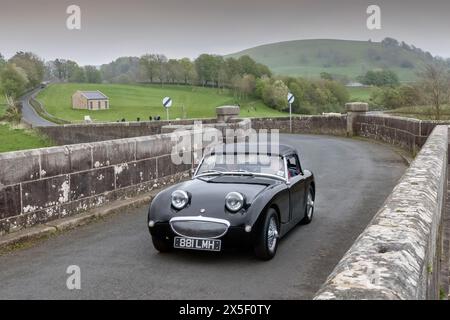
199	227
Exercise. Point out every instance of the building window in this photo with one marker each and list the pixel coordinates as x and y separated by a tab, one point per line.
99	104
91	105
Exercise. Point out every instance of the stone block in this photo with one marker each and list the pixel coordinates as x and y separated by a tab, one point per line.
10	201
134	173
19	166
54	161
153	146
226	113
91	183
357	107
167	167
80	157
113	152
40	194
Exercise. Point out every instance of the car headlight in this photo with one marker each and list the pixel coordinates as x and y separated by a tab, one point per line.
234	201
180	199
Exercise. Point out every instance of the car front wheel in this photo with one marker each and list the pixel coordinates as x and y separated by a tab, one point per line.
309	208
268	236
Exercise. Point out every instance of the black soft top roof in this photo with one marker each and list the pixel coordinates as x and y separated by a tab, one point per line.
254	148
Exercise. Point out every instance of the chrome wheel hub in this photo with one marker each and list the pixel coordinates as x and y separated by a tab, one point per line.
310	205
272	234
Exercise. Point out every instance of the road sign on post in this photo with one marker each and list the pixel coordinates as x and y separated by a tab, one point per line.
167	103
291	99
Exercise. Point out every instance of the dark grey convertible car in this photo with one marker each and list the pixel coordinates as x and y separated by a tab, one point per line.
240	194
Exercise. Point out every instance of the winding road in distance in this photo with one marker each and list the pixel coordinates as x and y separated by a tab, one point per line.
29	115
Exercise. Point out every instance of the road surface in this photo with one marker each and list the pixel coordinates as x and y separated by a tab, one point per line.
29	114
117	259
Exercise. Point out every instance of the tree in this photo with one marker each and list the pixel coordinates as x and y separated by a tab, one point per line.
326	76
380	78
13	81
161	61
123	70
77	74
150	64
32	65
247	85
208	67
275	95
434	81
189	73
93	75
247	65
390	42
262	70
174	71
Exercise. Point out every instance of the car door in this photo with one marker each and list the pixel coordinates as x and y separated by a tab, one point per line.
297	185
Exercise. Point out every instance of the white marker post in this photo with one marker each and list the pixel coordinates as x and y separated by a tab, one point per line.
291	99
167	103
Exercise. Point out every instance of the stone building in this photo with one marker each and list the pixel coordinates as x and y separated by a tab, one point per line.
90	100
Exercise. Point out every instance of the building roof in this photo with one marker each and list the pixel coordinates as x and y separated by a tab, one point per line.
93	95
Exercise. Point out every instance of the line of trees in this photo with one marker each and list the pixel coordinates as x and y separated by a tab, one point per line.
431	89
243	76
21	72
69	71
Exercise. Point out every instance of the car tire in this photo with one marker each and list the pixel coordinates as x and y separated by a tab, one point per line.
161	245
309	208
268	236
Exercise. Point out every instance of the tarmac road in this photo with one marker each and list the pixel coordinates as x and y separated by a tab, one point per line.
117	259
30	115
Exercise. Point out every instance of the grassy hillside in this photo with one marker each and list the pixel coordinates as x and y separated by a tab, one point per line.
308	58
132	101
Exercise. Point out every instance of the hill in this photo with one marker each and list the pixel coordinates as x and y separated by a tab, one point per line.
342	58
133	101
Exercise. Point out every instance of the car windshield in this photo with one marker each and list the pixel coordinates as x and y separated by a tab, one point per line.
242	163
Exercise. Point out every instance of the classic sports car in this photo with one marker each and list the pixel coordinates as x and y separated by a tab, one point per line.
239	195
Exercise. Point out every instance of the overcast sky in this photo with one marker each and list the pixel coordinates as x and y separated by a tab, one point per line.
178	28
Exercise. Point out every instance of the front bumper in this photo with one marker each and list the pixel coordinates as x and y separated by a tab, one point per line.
235	237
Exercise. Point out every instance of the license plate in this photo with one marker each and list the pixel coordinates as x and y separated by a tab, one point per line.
197	244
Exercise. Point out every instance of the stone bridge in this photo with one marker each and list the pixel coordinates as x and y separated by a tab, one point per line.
366	242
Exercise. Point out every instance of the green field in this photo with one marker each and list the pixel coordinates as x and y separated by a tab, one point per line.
309	58
360	93
132	101
13	139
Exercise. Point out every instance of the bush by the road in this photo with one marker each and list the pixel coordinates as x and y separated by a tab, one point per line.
311	96
396	97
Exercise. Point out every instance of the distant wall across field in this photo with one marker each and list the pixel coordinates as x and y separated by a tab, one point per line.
83	133
330	125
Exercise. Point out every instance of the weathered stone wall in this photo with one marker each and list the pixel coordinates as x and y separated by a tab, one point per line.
40	185
407	133
82	133
331	125
398	255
